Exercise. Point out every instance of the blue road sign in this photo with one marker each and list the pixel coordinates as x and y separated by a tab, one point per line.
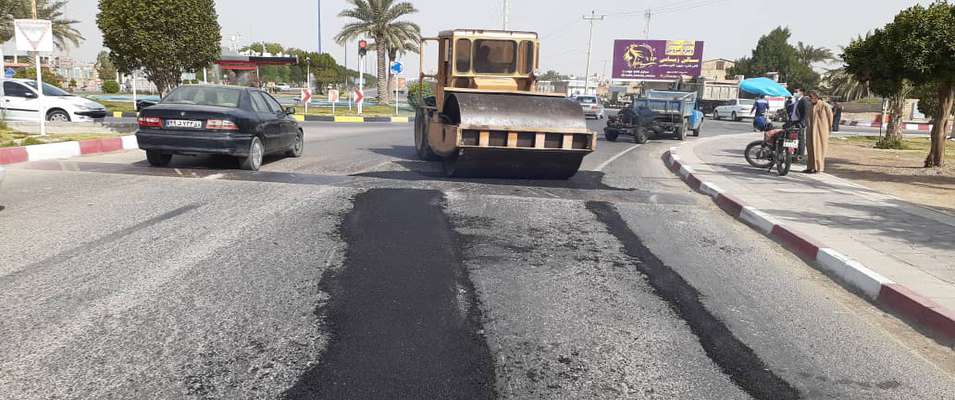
9	73
396	68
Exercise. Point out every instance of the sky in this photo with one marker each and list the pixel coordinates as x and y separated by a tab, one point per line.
729	28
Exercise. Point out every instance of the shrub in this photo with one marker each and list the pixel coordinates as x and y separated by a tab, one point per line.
418	91
110	87
887	143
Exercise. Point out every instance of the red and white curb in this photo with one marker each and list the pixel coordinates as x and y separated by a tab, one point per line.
850	273
63	150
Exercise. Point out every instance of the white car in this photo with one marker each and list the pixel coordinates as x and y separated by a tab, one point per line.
21	103
735	110
591	106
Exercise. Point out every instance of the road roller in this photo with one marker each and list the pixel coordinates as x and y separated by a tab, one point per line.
488	120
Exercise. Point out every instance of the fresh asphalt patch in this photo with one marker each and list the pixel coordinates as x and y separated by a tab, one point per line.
403	316
734	358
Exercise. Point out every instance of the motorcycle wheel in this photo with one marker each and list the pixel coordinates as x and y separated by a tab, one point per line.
759	155
784	160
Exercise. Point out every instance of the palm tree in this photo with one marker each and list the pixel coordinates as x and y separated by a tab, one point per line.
379	20
64	32
809	54
844	85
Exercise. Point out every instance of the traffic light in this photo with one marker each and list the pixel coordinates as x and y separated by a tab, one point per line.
362	47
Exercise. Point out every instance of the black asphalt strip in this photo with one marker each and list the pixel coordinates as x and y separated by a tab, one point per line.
404	320
733	357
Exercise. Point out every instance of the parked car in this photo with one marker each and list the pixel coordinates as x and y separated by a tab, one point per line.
246	123
591	106
21	103
735	110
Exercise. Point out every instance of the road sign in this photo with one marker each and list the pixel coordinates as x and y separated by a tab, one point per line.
333	96
9	73
397	68
359	96
306	95
34	35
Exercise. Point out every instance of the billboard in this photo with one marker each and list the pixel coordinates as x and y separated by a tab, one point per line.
657	59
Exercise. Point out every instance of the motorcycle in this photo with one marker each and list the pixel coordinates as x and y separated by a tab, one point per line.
777	149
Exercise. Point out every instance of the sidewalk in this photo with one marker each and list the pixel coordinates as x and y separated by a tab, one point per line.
902	243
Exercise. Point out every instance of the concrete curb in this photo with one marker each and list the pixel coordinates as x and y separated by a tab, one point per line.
63	150
848	272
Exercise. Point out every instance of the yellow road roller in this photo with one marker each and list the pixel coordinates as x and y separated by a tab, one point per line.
487	119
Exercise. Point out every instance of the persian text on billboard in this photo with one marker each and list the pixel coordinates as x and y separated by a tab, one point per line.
657	59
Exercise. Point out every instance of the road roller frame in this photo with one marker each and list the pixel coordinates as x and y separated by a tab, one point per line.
487	119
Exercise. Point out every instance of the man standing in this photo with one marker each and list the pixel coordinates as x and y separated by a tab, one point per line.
800	117
836	115
819	127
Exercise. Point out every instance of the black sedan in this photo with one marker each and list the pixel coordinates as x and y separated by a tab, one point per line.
246	123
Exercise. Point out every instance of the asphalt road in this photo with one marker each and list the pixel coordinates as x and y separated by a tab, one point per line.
359	272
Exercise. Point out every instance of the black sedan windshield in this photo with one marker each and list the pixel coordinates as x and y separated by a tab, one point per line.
204	96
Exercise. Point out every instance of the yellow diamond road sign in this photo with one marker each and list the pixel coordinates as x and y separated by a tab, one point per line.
34	35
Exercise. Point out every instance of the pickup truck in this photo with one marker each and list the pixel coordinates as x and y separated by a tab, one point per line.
658	113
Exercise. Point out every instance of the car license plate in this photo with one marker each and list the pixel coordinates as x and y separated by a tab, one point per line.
181	123
791	144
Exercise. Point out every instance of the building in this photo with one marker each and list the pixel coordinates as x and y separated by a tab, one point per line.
717	69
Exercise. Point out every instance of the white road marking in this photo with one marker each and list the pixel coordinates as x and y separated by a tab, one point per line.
614	158
215	176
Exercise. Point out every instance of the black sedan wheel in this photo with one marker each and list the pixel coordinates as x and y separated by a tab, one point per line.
158	159
296	150
253	161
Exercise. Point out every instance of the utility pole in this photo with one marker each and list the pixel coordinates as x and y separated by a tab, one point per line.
507	13
646	27
590	43
319	26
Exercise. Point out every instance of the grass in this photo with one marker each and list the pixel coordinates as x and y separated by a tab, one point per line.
369	111
908	144
118	106
10	138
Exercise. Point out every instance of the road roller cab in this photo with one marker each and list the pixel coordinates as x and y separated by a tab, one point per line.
487	118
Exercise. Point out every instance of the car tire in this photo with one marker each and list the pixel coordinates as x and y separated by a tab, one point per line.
295	151
58	116
640	135
253	161
157	159
610	136
734	117
716	115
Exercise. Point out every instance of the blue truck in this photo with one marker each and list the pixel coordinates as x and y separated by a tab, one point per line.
657	114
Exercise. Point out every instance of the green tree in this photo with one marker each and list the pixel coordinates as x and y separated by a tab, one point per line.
418	91
49	77
65	33
773	53
552	75
809	54
264	47
162	37
105	69
379	20
916	49
868	61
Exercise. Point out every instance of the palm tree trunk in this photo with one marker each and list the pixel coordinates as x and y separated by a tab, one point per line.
382	75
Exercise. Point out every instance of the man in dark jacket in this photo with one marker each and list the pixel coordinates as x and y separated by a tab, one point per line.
802	108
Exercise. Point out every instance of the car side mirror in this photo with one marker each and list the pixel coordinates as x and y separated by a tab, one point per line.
30	95
290	110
